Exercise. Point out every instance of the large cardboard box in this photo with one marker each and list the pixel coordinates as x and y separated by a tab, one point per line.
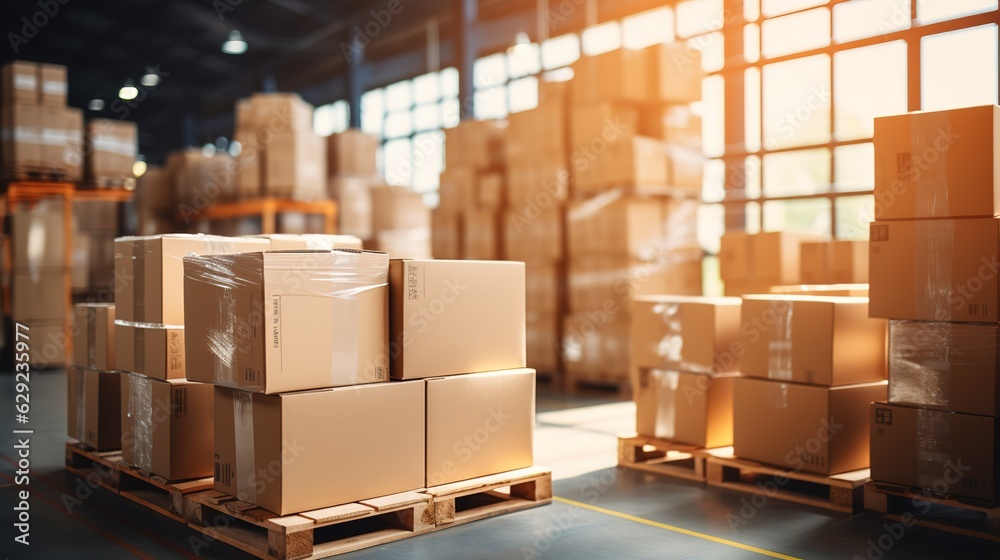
287	321
197	179
938	164
354	208
480	144
94	408
294	166
53	85
676	73
352	153
457	190
38	237
479	424
834	262
593	282
616	226
811	339
39	295
446	234
111	148
149	272
935	270
618	75
691	334
542	338
595	345
691	408
167	426
949	366
734	258
21	138
19	79
313	241
481	235
398	208
155	351
950	454
763	259
321	448
539	129
822	430
452	317
94	336
534	235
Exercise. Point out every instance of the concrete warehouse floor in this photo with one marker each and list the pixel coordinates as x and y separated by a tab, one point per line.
599	512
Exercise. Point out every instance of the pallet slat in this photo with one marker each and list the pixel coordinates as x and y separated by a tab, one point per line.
663	457
842	492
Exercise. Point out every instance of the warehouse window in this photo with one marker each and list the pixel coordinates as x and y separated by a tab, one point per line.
815	75
331	118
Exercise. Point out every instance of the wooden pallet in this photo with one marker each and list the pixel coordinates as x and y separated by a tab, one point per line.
842	492
122	183
97	467
314	534
892	501
615	385
40	173
157	493
480	498
663	457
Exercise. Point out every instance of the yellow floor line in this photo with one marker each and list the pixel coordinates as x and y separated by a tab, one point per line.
675	529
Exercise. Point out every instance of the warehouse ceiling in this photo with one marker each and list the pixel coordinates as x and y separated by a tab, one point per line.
298	43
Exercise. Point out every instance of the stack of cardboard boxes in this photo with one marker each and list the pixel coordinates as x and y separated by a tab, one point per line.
195	178
833	262
281	156
934	249
812	366
353	170
166	419
95	226
685	357
289	350
112	146
42	137
155	208
401	222
40	279
754	263
533	225
467	220
93	386
635	152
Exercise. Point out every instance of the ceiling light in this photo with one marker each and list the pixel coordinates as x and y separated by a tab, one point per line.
235	44
149	80
128	91
96	105
138	167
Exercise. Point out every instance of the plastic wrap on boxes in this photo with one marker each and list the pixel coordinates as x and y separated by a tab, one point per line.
243	424
933	446
781	341
919	363
140	409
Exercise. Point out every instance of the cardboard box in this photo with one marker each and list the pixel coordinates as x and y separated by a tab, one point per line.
155	351
593	282
446	234
21	138
691	408
616	226
352	153
20	85
811	339
52	92
481	144
763	259
197	179
481	236
540	129
39	295
479	424
734	258
594	127
405	243
94	336
38	236
834	262
312	241
595	346
691	334
938	164
73	156
544	283
536	235
834	290
676	73
537	184
287	321
490	191
398	208
111	148
618	75
823	430
542	339
48	348
949	366
294	166
951	454
457	193
276	111
155	293
94	408
167	426
433	304
935	270
354	208
310	466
